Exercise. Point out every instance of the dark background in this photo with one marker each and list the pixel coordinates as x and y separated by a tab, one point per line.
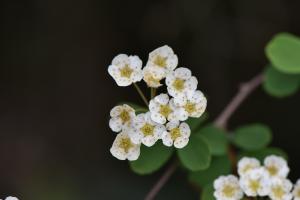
56	94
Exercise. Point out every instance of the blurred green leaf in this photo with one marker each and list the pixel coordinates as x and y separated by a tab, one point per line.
151	158
220	165
195	123
215	138
252	137
208	193
261	154
196	155
283	52
280	84
138	108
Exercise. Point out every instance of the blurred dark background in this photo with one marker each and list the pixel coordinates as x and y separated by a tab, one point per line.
56	94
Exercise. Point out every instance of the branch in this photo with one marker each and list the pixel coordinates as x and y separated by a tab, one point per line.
221	121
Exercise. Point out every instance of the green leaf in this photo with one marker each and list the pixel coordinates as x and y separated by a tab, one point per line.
220	165
195	123
138	108
151	158
196	155
252	137
261	154
280	84
215	138
283	52
208	193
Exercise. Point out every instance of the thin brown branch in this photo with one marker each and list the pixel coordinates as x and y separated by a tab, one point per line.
221	121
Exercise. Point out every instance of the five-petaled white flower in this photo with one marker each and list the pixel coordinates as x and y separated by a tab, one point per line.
123	148
162	61
121	117
163	109
126	69
145	130
180	84
150	77
247	164
255	182
296	191
227	188
280	189
177	134
276	166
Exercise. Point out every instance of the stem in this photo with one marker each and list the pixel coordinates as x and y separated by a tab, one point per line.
141	93
221	121
153	91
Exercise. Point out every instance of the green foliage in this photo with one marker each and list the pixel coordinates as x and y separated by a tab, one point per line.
261	154
283	52
215	138
208	193
220	165
196	155
280	84
151	158
195	123
252	137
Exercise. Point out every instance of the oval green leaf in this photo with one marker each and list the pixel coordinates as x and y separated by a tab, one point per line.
283	52
208	193
151	158
195	123
196	155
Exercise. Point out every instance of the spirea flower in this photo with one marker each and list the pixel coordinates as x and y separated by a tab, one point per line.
177	134
145	130
180	84
255	182
276	166
247	164
280	189
121	117
126	69
227	188
162	61
296	191
123	148
150	75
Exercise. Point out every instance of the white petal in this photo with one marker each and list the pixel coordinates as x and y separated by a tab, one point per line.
11	198
158	118
172	62
181	142
133	153
166	139
158	130
170	78
192	83
120	59
171	125
183	73
149	140
153	106
115	111
115	124
180	99
185	129
135	62
162	99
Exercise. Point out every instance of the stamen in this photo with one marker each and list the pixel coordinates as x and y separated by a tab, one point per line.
124	115
125	144
147	129
228	190
160	61
126	71
178	84
272	170
165	110
190	107
175	133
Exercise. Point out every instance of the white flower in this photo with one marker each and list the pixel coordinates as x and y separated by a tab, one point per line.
150	75
126	69
145	130
194	105
11	198
227	188
246	164
181	84
123	148
281	189
255	182
296	191
276	166
177	134
162	110
162	60
121	117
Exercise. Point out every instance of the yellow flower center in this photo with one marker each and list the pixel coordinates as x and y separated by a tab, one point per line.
298	193
247	168
124	115
228	191
147	129
165	110
125	144
278	192
254	185
190	107
151	81
175	133
126	71
160	61
178	84
273	170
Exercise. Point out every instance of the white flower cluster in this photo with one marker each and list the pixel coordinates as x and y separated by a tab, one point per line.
166	114
11	198
258	181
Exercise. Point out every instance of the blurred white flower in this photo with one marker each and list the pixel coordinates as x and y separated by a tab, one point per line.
281	189
11	198
145	130
162	61
177	134
227	188
126	69
296	191
150	75
121	117
180	84
246	164
255	182
123	148
276	166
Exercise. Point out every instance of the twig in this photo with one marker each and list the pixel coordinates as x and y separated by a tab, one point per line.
221	121
141	93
